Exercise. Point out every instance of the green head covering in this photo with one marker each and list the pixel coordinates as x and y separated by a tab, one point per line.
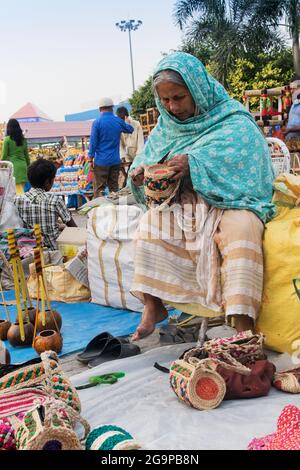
229	159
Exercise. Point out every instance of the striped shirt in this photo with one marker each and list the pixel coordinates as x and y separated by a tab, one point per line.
39	207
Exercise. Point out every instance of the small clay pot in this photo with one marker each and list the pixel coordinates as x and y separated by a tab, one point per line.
31	313
4	327
50	324
48	340
14	336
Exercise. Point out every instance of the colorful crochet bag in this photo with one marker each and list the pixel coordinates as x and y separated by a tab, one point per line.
287	436
159	185
49	427
44	374
288	380
197	383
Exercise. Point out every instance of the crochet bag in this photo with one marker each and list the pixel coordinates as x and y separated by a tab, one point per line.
197	383
49	427
242	348
44	374
288	380
159	185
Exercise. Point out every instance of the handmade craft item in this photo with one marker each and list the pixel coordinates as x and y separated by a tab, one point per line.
287	436
288	380
7	435
41	343
44	374
49	427
25	297
159	185
197	383
244	348
53	320
14	334
48	340
14	260
111	438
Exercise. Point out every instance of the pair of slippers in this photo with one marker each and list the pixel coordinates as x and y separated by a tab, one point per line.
105	347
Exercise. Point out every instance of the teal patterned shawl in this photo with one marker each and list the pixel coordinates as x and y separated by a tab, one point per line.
229	158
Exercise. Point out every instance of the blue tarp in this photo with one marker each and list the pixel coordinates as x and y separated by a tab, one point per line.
81	323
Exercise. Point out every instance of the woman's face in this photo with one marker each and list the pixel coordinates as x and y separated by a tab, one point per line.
177	100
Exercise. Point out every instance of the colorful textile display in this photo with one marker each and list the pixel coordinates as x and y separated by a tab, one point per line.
159	185
111	438
288	380
287	436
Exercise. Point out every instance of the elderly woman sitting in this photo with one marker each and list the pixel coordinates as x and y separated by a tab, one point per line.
210	256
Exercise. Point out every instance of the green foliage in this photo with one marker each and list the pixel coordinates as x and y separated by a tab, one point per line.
142	99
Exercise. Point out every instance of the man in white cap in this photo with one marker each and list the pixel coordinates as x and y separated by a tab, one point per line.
104	150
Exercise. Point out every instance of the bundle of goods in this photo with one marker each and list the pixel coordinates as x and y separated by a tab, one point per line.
279	315
110	248
227	369
39	407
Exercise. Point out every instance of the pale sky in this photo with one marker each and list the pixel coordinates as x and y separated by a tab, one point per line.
63	54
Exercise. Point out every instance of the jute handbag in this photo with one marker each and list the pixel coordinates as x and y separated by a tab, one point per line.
288	380
159	185
197	384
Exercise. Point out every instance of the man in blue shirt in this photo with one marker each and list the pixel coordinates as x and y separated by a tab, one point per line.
104	149
293	127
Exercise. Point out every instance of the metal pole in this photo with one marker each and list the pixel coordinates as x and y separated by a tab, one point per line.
131	59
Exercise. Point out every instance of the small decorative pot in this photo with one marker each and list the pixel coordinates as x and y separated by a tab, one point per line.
48	340
14	336
4	327
31	313
50	323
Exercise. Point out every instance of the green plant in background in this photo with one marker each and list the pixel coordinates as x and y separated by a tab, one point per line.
142	99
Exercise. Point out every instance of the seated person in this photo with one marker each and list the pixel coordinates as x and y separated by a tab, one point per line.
211	256
39	207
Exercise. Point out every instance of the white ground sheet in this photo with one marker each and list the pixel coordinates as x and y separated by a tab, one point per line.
144	404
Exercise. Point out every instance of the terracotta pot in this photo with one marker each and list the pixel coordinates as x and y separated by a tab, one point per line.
48	340
14	337
31	313
50	324
4	327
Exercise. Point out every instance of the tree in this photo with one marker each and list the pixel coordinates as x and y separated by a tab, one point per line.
231	29
142	98
274	12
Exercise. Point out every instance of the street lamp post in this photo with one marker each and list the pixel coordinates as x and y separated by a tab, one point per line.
130	25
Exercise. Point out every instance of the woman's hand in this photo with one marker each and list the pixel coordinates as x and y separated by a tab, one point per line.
137	176
180	164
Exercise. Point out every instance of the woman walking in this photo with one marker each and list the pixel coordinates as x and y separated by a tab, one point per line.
15	150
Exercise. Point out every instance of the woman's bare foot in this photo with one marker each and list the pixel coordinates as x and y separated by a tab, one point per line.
154	312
